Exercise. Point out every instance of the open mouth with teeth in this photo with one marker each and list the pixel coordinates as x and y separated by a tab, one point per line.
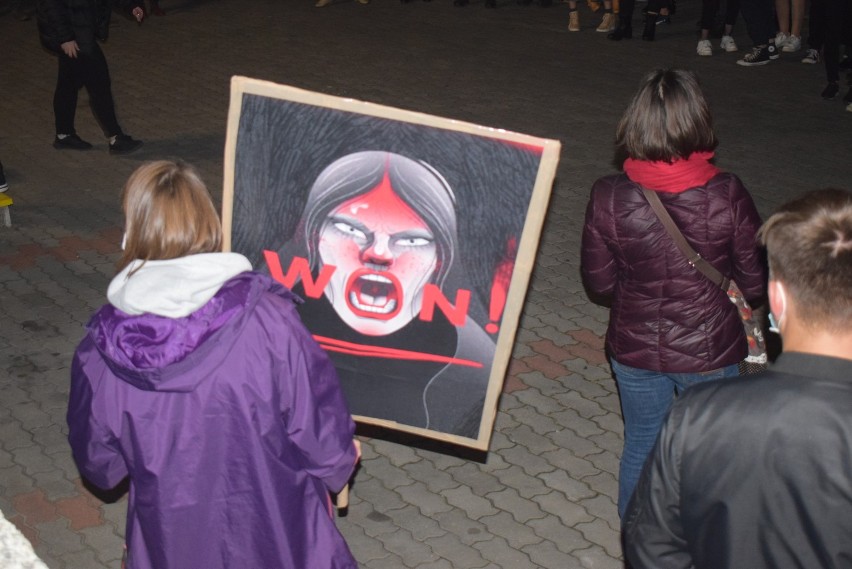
370	294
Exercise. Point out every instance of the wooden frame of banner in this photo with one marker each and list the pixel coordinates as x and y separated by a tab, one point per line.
529	241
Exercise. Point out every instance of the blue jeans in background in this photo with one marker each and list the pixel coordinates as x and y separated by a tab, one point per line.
645	399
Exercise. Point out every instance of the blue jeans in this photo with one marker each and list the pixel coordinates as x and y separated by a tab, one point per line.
645	399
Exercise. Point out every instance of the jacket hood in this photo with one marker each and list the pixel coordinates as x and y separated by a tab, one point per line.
160	353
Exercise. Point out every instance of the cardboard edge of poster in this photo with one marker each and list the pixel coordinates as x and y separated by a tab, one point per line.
530	238
519	285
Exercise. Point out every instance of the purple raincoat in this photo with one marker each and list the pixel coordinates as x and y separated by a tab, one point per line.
231	425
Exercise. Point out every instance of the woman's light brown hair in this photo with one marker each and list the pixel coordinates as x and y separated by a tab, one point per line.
667	119
168	214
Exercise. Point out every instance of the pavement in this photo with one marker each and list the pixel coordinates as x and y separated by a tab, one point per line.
544	495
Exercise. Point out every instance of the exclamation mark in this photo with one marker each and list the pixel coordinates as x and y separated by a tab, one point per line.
500	287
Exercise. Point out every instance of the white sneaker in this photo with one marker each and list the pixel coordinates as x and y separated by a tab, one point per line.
728	44
793	43
781	39
704	47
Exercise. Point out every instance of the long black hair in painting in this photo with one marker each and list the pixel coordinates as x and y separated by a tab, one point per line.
284	146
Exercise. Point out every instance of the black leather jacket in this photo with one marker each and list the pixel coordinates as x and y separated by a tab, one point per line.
85	21
751	473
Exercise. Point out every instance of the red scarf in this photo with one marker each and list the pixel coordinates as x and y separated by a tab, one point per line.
680	175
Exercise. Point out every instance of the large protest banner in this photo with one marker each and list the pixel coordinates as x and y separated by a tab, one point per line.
410	237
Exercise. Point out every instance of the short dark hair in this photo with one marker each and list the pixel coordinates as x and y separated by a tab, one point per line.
667	119
809	245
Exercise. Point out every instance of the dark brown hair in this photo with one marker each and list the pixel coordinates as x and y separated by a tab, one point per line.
168	214
809	245
667	119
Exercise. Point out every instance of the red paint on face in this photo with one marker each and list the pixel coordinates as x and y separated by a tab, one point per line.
384	253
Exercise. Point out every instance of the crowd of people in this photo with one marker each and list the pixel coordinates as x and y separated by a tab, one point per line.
773	26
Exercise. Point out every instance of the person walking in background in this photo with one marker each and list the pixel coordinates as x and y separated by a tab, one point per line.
759	16
199	382
709	9
756	473
3	184
670	327
72	29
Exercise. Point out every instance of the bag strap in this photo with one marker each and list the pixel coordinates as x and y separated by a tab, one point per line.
692	257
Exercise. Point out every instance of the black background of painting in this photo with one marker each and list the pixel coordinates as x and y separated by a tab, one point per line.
282	147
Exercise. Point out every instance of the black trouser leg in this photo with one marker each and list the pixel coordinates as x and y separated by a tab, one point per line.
97	82
758	16
65	96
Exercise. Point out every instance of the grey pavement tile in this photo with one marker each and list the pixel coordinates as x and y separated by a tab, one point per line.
504	525
596	558
547	556
604	483
502	554
613	441
363	515
531	419
527	486
421	527
543	384
428	502
55	484
521	509
464	499
455	551
391	476
364	547
573	489
83	560
571	513
568	439
382	498
457	523
582	426
477	480
605	461
402	544
14	481
532	464
57	539
536	443
537	400
567	539
389	561
603	533
435	479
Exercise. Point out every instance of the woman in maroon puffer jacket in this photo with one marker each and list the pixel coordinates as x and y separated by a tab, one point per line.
669	326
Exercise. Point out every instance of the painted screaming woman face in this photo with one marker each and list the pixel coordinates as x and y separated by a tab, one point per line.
384	254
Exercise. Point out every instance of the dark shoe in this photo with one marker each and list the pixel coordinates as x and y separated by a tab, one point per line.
123	144
831	90
650	27
760	55
620	33
71	142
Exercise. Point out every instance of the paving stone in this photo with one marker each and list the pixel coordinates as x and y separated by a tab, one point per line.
422	527
451	548
567	539
460	525
596	558
479	482
504	525
527	486
602	532
521	509
420	496
475	506
502	554
402	544
547	555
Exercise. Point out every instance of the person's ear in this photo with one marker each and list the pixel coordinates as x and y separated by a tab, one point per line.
776	298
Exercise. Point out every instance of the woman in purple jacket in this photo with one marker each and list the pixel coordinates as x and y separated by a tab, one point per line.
670	326
200	383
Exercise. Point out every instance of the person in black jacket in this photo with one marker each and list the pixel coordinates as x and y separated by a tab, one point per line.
72	29
757	473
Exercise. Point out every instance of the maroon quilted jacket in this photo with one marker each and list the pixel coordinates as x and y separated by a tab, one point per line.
667	316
